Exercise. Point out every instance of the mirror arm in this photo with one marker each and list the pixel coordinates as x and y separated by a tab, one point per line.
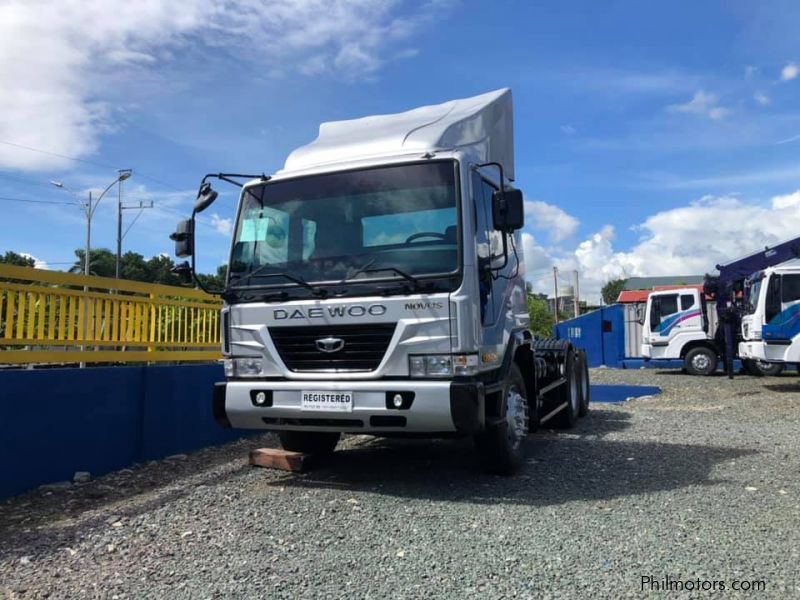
231	178
499	168
195	278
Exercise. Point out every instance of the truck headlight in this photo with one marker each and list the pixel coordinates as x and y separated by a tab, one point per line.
442	365
243	367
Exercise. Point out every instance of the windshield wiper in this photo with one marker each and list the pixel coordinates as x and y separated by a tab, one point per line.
293	278
358	272
410	278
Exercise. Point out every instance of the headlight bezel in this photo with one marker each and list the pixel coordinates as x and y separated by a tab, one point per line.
244	367
440	366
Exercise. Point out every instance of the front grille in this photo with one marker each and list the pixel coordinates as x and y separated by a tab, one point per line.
363	350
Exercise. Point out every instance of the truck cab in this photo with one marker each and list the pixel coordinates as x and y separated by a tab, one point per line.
376	285
771	329
676	326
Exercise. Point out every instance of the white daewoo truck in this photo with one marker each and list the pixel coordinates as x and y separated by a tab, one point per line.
771	329
375	285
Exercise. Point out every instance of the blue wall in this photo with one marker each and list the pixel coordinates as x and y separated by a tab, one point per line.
58	421
601	333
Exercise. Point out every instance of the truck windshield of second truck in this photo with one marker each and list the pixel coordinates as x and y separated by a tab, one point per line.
398	222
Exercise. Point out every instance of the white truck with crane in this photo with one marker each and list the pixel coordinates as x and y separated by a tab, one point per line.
701	327
375	285
771	325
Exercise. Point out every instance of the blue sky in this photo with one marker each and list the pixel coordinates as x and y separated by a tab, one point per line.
649	139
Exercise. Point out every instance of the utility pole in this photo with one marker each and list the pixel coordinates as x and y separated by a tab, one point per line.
127	173
89	208
88	249
555	292
577	294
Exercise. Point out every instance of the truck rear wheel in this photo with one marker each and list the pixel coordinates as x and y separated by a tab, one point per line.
700	361
570	393
759	368
309	442
502	445
582	367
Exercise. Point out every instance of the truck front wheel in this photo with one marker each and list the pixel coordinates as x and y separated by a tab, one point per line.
700	361
502	445
309	442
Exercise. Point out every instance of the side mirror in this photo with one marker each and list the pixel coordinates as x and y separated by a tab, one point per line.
640	312
508	212
183	271
205	197
184	238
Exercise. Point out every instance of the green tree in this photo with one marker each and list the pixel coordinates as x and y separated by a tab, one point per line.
610	291
216	281
12	258
102	262
159	270
134	267
542	320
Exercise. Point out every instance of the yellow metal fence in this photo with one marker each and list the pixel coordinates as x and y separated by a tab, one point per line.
55	317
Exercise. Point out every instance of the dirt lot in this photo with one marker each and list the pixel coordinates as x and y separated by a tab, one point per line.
698	485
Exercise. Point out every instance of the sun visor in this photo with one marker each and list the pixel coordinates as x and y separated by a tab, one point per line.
482	126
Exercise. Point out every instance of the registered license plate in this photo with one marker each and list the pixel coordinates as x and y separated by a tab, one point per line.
327	401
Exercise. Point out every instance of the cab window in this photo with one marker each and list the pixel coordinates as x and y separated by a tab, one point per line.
687	301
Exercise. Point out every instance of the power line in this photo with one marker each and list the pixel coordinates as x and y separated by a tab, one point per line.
36	201
64	156
88	162
25	180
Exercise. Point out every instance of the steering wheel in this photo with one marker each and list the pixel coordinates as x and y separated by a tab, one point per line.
422	234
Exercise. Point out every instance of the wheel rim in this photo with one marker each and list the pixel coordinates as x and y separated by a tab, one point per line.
516	417
763	366
584	384
700	362
573	392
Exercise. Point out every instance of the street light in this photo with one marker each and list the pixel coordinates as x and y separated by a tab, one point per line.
89	207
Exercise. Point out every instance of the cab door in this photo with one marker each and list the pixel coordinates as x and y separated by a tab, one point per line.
675	314
782	307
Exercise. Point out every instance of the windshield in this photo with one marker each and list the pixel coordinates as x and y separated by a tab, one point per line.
751	300
358	225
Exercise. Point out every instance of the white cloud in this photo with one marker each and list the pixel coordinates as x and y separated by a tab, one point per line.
536	257
558	224
719	112
702	103
790	71
679	241
37	263
568	129
786	201
762	98
60	61
788	140
222	225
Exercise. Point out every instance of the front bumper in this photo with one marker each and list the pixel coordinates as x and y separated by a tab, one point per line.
762	350
435	407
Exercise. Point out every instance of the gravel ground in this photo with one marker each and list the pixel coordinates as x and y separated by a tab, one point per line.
700	482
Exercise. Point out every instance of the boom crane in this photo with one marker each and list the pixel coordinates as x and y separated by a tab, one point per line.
727	289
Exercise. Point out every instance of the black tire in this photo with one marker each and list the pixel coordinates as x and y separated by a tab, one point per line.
758	368
309	442
700	361
502	445
569	392
582	367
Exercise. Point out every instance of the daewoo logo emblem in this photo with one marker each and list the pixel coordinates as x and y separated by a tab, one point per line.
330	344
